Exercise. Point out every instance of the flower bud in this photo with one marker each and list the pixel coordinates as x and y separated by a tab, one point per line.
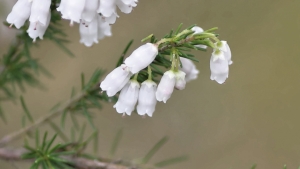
128	98
115	80
166	86
180	80
37	29
189	68
219	69
89	32
147	100
141	57
20	13
40	11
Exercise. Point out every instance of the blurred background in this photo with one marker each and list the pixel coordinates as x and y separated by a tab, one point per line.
252	118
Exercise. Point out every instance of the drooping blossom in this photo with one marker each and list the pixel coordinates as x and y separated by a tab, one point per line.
20	13
180	80
219	67
147	99
189	68
116	80
38	29
141	57
128	98
40	11
89	32
166	86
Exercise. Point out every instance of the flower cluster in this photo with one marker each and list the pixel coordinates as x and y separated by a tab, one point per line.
148	93
94	16
180	69
38	12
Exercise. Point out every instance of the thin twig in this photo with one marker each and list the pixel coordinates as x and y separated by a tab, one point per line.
169	46
78	162
17	134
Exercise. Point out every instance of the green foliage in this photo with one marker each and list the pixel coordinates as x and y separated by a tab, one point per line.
48	156
171	161
172	46
155	148
116	143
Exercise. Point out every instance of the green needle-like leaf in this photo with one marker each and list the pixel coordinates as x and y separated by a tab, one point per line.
82	131
171	161
154	149
88	117
120	61
58	131
2	115
178	29
50	143
44	141
26	110
37	138
63	118
74	120
116	143
253	166
55	107
82	81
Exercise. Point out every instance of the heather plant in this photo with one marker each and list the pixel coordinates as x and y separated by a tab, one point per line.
141	79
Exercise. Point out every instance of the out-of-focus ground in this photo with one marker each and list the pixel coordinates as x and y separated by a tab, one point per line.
252	118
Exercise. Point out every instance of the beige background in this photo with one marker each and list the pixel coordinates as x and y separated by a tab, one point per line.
253	118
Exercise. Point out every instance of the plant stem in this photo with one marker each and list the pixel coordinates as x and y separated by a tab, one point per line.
17	134
76	162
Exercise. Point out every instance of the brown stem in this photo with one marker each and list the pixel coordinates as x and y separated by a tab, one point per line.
17	134
183	41
78	162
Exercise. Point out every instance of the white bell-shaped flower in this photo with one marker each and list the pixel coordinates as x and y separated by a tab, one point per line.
189	68
128	98
20	13
180	80
147	99
40	10
125	8
224	47
219	68
112	18
198	30
90	10
228	54
107	8
72	10
62	5
104	29
89	32
37	29
130	2
166	86
141	57
115	80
